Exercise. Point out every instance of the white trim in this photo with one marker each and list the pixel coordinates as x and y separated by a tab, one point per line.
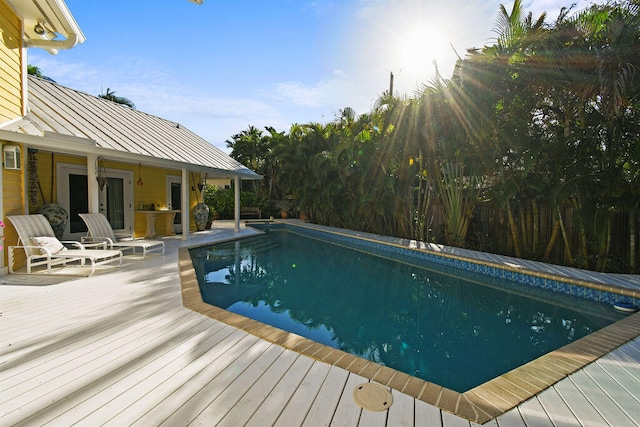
185	205
24	90
92	185
236	202
3	243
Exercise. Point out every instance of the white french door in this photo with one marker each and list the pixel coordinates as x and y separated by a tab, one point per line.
115	199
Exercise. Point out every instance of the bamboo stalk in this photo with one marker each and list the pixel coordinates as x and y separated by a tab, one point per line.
632	239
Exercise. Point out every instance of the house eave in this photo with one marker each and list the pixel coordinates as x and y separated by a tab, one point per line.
58	27
73	145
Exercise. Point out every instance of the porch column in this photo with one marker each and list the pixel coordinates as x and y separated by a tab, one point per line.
184	188
92	184
236	204
4	270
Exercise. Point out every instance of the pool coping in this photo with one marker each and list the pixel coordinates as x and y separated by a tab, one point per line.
480	404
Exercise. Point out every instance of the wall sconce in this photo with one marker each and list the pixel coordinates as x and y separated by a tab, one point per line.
39	29
12	157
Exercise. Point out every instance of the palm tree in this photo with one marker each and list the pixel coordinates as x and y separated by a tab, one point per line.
111	96
35	71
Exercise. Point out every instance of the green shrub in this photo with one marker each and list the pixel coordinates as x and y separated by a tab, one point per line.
221	200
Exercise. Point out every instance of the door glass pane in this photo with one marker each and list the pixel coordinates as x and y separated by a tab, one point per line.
78	202
115	202
176	201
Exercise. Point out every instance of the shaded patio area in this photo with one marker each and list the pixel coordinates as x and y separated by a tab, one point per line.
119	348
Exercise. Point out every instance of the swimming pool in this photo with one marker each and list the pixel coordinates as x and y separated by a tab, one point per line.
447	325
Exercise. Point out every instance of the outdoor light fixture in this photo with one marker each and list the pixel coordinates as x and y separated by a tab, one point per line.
39	29
11	157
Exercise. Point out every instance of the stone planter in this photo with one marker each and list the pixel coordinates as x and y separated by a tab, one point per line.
201	215
56	216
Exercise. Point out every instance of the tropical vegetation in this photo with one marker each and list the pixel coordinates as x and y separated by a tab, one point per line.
111	96
33	70
531	148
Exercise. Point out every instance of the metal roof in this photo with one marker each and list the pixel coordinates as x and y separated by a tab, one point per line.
76	116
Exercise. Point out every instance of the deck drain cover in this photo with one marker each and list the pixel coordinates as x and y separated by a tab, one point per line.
372	397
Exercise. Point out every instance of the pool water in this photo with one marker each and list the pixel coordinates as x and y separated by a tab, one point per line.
452	331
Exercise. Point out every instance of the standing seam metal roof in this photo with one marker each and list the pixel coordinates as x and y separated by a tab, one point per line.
66	111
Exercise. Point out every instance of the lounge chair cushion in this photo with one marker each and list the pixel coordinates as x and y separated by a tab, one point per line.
50	243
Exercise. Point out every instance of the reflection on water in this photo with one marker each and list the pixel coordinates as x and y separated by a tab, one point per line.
438	327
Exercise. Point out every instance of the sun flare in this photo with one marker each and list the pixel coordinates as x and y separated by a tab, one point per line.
419	49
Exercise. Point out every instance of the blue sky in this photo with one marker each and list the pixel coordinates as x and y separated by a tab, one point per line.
221	66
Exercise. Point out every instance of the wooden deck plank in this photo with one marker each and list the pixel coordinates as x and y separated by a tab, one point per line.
620	374
33	341
42	357
450	420
209	354
426	414
599	400
38	393
556	408
231	390
401	412
300	403
187	398
619	394
44	328
511	418
347	412
243	410
632	350
90	397
625	356
42	309
373	419
107	402
579	404
23	327
274	404
490	423
324	406
203	398
534	414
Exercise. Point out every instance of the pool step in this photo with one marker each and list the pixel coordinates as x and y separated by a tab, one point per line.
258	246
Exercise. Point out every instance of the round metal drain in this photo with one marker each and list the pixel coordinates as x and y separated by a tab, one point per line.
372	397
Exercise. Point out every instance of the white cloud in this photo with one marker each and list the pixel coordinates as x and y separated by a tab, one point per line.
324	93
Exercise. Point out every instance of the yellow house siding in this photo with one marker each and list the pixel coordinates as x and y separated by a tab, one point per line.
10	64
153	191
48	178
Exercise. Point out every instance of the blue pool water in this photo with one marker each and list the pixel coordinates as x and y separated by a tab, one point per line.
424	320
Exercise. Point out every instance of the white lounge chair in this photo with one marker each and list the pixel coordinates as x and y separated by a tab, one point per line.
100	231
42	248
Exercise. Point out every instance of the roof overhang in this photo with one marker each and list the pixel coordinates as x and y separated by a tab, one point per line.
74	145
47	24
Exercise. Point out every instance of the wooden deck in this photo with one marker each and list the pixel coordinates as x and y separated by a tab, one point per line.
119	349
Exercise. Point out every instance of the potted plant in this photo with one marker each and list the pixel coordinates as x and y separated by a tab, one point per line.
210	218
200	210
284	206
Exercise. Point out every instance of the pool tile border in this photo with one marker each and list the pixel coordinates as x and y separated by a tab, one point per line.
479	404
